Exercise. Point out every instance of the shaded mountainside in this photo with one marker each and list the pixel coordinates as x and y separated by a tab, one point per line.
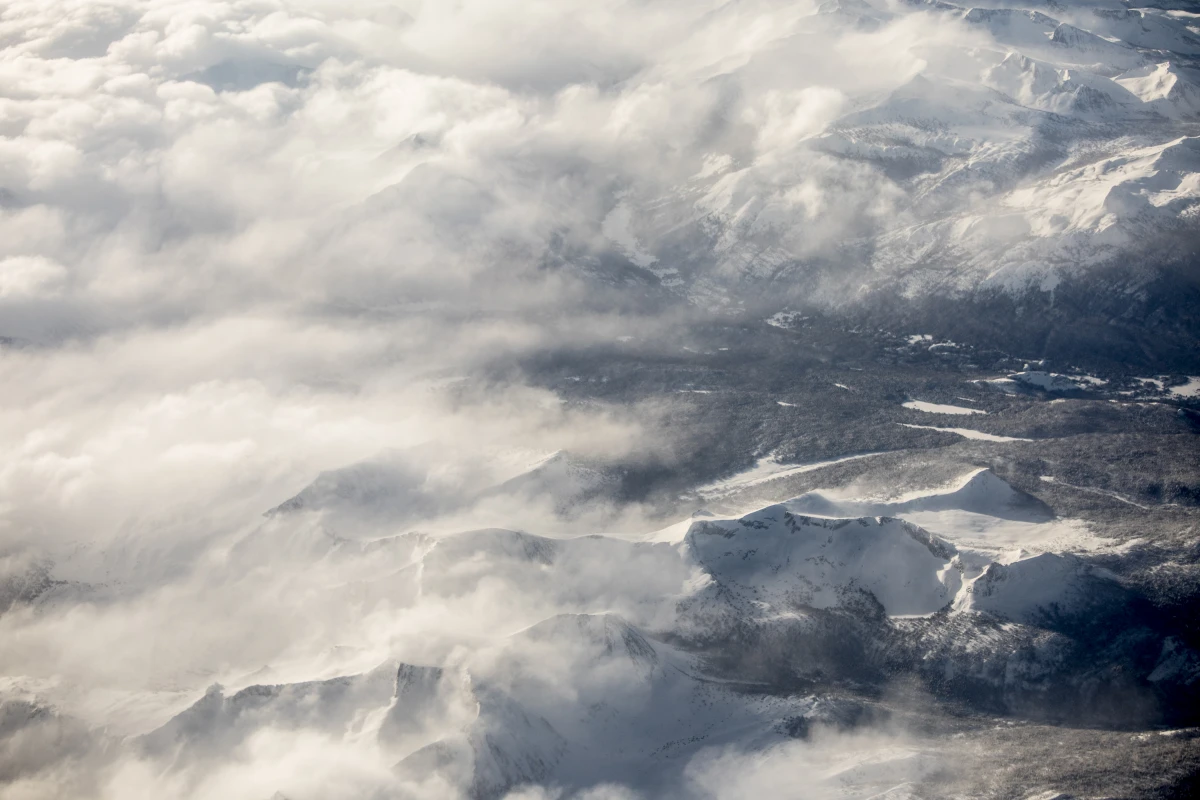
1132	315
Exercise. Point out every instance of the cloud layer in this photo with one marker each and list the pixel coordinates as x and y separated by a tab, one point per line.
243	242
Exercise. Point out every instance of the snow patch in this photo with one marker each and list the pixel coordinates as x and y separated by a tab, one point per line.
968	433
1024	589
1189	389
785	319
769	469
938	408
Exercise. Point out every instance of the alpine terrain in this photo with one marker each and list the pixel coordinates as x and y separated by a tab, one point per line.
608	400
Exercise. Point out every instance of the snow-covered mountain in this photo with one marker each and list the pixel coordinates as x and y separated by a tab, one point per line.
630	655
599	400
1039	151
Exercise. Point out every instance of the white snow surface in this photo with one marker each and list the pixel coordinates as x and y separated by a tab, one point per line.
1054	382
768	469
1189	389
940	408
980	492
980	514
968	433
1022	589
780	558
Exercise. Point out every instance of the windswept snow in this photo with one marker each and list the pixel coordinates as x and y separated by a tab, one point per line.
1006	385
1054	382
1049	381
1163	88
977	542
597	658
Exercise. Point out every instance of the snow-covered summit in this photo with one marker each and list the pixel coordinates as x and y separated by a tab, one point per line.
1164	88
788	562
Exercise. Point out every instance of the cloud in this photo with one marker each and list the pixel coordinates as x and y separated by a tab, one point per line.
29	275
246	243
834	764
179	190
240	243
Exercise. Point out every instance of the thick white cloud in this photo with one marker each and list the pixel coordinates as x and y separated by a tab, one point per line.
231	224
184	159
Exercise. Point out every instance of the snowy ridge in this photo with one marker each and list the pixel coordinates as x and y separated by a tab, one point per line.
630	655
1023	590
1164	88
981	492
